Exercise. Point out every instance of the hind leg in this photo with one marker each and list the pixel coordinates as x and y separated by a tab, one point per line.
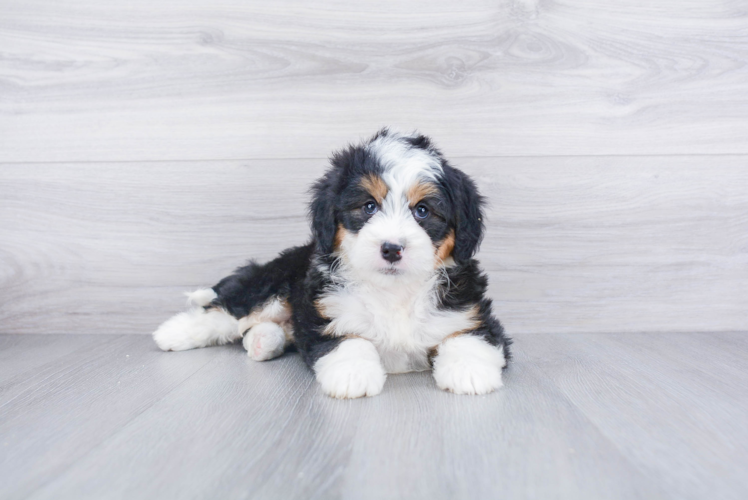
265	341
197	327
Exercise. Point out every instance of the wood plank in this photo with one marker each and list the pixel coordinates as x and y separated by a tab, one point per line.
523	442
21	355
51	418
605	244
159	80
581	416
233	427
243	429
671	403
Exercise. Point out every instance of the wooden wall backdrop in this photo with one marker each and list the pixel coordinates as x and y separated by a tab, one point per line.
149	147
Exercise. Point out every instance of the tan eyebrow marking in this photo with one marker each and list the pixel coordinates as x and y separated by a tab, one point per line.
375	186
419	191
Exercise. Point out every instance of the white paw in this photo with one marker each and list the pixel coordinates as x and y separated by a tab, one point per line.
265	341
196	328
468	365
351	370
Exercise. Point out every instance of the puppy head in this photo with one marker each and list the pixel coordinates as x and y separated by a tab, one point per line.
393	207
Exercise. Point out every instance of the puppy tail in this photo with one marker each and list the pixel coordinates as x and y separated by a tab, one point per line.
201	298
198	327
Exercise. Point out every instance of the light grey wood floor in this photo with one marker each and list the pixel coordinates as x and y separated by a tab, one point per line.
582	416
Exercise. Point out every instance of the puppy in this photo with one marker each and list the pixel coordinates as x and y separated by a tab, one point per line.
388	283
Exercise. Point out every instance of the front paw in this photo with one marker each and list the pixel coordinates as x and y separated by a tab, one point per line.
351	370
467	364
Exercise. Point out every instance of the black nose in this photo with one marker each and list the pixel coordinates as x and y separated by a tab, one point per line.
391	252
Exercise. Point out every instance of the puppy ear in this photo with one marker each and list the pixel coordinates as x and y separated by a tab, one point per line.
322	210
469	224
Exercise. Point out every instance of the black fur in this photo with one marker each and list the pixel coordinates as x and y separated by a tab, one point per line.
252	285
468	212
300	275
310	341
467	288
337	193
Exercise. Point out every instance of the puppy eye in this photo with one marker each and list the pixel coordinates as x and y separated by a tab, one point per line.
421	212
371	208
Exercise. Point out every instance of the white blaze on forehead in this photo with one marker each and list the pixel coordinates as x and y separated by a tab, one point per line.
403	164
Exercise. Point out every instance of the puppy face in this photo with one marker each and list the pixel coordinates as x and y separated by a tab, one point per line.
393	208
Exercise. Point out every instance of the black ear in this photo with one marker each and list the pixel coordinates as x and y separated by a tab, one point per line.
468	216
322	210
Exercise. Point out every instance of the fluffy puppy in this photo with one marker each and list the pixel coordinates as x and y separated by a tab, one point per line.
388	283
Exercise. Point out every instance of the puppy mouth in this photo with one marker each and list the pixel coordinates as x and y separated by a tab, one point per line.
391	271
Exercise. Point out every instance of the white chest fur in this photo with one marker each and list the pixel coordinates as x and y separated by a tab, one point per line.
402	320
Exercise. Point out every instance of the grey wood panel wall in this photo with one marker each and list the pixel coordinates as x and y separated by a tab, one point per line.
149	147
83	80
573	244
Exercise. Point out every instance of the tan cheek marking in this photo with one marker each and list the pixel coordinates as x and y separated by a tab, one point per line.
375	186
419	191
444	250
339	236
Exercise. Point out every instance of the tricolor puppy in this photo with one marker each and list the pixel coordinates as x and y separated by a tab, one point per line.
388	283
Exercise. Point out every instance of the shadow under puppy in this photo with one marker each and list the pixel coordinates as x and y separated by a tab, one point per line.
388	283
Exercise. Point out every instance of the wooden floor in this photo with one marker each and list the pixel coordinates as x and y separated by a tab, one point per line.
582	416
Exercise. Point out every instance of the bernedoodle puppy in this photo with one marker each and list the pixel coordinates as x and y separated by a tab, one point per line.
387	284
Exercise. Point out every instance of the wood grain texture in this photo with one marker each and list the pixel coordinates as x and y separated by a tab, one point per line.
660	397
149	147
656	416
21	357
63	409
164	80
599	244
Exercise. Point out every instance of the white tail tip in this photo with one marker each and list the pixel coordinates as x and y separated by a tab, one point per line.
201	297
